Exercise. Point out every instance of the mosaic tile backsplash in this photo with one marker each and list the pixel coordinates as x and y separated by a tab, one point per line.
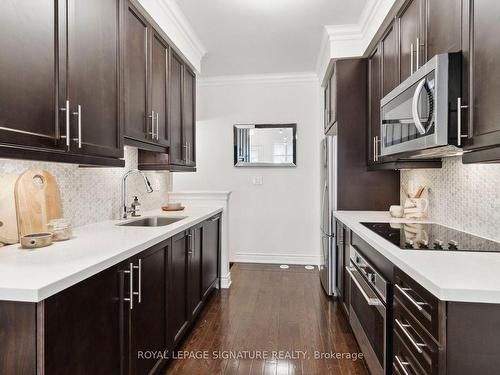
91	195
465	197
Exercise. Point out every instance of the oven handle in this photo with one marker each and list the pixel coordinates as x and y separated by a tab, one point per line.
369	300
414	107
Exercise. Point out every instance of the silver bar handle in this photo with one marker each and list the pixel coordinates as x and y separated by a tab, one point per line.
402	365
157	125
190	244
459	121
139	287
404	327
418	53
66	109
193	242
369	300
411	58
184	151
130	299
152	117
404	291
374	150
78	113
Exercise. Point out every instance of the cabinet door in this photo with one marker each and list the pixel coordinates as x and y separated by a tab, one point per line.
410	41
177	297
148	332
374	96
82	327
138	125
390	71
194	270
333	95
210	254
327	104
28	101
444	26
339	261
177	147
159	87
189	116
484	71
93	76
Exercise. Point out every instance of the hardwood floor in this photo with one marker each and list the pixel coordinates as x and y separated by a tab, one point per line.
267	310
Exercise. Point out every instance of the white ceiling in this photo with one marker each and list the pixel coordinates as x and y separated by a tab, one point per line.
264	36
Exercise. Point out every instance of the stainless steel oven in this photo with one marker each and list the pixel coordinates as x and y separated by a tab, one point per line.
419	118
368	311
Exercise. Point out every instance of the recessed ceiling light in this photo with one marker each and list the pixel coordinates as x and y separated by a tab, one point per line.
284	266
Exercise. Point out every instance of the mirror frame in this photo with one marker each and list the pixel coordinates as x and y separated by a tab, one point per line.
238	163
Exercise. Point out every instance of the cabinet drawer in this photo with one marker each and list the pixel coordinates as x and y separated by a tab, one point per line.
427	309
422	347
403	362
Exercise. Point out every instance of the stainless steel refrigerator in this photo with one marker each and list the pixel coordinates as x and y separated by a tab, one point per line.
327	268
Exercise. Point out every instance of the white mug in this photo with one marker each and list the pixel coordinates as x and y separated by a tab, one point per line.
396	211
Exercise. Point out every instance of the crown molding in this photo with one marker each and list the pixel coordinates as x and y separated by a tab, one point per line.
351	40
258	79
169	16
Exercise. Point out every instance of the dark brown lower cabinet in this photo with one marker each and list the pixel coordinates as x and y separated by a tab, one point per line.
433	337
177	297
124	320
194	270
148	325
80	327
210	254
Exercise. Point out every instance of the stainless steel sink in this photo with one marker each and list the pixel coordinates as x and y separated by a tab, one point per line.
152	221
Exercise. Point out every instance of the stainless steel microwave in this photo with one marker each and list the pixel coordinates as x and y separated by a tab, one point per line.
419	118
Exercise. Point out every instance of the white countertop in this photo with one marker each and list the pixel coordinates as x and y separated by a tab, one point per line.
449	275
33	275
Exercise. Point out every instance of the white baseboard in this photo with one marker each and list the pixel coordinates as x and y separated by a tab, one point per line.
277	258
225	281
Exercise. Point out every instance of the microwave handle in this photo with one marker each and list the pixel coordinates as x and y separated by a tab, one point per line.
414	107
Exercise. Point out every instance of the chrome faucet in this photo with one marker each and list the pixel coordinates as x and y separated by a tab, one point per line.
124	209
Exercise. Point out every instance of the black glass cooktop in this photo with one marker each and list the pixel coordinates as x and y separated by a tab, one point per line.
419	236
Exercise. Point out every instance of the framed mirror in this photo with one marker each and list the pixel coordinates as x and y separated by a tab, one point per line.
265	145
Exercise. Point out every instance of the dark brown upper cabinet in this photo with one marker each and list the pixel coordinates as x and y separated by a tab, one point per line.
181	122
374	96
136	77
443	26
330	98
61	81
93	86
482	67
28	91
146	84
409	22
189	116
390	60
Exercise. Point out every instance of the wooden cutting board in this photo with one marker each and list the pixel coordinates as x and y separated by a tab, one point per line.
8	220
37	201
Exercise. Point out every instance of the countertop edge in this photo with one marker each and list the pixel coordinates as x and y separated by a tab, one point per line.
46	291
443	293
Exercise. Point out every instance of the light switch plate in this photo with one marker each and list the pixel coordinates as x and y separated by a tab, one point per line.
258	180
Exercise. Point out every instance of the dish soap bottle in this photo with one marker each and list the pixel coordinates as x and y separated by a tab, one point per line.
136	207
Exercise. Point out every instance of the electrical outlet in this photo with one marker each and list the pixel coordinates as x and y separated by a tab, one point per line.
258	180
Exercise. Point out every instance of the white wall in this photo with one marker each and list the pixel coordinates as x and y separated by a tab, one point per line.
279	220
